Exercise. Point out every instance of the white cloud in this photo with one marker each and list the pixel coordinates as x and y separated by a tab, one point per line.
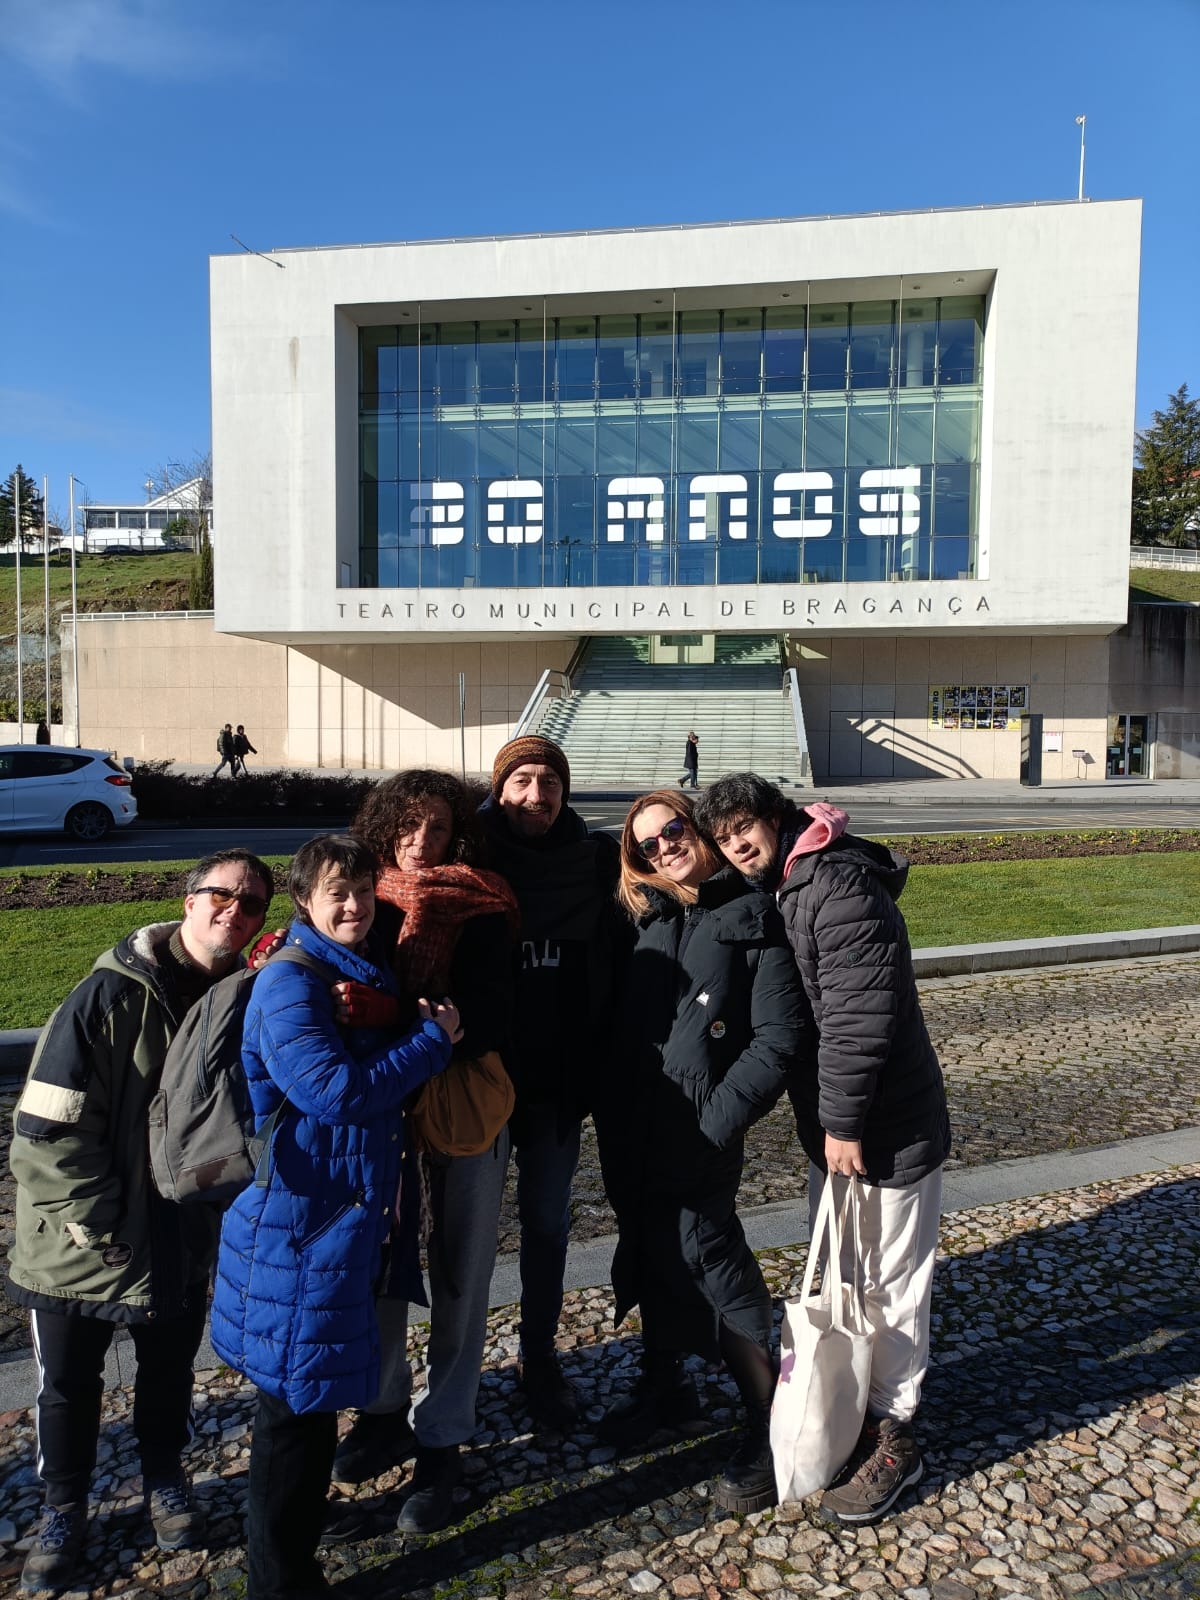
61	39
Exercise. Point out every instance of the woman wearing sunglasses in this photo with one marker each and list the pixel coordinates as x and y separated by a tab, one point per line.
711	1019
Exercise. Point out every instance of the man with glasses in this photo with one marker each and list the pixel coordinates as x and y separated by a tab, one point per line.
95	1246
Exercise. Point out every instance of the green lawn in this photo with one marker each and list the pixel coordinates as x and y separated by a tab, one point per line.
46	952
1164	583
103	583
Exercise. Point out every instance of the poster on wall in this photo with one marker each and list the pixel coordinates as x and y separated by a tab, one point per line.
995	707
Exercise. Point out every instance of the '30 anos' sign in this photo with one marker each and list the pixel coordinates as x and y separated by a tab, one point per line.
802	507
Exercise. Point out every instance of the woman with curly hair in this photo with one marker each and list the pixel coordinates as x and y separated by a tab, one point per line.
711	1019
448	926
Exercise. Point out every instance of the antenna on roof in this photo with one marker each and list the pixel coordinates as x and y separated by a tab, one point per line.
250	251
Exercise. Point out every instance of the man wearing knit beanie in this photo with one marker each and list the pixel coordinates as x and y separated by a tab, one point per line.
567	971
535	762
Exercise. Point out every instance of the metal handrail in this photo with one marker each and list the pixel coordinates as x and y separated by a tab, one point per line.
552	685
791	682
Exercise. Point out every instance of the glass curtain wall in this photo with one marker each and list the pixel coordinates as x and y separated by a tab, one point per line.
775	444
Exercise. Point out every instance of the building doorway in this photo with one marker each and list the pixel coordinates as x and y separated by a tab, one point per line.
1128	747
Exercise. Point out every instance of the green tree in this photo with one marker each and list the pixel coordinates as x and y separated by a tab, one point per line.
31	508
200	580
1166	475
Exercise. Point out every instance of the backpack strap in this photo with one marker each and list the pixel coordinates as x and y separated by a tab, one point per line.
265	1135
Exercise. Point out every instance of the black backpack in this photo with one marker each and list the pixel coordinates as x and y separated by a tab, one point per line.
203	1142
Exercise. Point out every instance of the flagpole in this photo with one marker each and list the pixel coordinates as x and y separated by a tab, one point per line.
74	609
20	669
1081	123
46	590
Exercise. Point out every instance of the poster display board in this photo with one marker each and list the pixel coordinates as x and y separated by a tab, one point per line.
982	707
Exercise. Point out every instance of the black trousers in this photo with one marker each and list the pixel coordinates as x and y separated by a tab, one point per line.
291	1462
70	1351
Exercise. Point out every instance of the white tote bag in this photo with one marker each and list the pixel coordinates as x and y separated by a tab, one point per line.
825	1367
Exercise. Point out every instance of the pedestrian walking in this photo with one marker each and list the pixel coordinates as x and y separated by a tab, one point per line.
691	762
241	745
227	750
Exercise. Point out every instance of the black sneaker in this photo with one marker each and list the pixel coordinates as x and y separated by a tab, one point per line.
748	1482
53	1558
373	1446
651	1405
178	1524
429	1505
549	1393
868	1486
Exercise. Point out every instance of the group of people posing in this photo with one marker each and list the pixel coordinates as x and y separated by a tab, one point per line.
673	986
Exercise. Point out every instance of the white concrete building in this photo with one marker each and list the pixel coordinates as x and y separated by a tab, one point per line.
898	444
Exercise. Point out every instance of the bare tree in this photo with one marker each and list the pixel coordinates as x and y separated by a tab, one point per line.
193	516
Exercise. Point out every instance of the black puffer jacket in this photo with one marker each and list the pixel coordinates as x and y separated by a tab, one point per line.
876	1077
710	1021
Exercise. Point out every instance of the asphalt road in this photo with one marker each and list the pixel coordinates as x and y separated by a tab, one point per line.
153	841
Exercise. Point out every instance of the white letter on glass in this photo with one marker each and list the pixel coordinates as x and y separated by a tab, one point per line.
785	525
507	523
713	483
909	505
438	506
635	500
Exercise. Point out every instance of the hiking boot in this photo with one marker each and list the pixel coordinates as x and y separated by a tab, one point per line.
53	1558
663	1397
429	1505
374	1445
748	1482
887	1462
550	1395
178	1524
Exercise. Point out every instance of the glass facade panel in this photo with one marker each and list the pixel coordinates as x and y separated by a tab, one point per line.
770	445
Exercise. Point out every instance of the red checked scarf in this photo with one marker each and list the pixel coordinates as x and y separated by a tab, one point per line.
436	901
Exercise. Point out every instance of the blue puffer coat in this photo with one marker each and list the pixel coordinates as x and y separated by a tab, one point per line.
299	1259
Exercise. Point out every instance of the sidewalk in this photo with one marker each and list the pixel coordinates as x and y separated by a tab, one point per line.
1060	1420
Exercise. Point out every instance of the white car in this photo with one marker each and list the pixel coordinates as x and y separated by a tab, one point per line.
44	787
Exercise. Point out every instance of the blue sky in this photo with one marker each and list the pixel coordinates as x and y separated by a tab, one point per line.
137	135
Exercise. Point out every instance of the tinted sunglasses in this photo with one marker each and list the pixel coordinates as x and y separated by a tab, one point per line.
252	904
672	833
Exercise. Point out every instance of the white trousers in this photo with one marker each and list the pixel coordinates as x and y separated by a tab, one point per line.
899	1231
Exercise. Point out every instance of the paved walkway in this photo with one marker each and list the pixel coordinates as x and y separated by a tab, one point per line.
1062	1410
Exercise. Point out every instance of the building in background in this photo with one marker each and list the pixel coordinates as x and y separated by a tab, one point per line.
164	522
884	458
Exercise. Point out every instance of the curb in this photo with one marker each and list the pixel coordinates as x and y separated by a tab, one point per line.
952	961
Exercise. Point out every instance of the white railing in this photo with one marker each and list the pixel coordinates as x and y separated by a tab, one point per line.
1143	555
791	683
552	685
141	616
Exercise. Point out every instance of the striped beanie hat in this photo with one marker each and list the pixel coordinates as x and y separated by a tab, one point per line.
530	750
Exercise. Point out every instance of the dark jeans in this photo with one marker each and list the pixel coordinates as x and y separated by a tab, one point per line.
291	1461
70	1351
546	1157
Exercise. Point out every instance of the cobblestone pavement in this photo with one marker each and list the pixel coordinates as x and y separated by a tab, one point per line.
1061	1423
1034	1062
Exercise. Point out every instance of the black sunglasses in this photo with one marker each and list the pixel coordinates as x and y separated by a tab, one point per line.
672	833
252	904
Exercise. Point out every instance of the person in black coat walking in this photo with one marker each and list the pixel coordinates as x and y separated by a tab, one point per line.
709	1022
691	762
872	1105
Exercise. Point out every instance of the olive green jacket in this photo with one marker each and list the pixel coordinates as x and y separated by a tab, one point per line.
92	1233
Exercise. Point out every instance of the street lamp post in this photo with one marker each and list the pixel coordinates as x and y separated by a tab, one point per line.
1081	123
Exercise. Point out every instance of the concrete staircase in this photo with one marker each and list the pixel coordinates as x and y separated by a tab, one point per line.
626	722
